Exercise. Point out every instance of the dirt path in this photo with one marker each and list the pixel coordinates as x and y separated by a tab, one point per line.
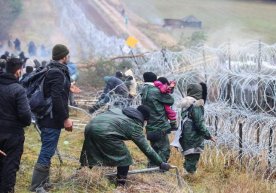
108	19
94	15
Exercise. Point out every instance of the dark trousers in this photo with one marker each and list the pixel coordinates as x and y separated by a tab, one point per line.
12	145
162	148
122	174
190	163
49	139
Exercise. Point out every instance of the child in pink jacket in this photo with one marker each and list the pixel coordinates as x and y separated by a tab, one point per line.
167	87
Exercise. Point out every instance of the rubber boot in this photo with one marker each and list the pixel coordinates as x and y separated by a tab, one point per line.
122	172
40	177
121	180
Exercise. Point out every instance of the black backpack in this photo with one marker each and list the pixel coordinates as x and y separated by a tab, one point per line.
40	106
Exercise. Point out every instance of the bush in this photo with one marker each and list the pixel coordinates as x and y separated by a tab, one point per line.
94	75
195	39
198	37
124	64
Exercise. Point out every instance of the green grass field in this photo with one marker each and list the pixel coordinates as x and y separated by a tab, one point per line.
222	19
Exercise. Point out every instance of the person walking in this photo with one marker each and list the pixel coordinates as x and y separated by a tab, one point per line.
158	123
194	131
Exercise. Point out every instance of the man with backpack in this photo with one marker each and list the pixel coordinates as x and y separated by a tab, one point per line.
56	86
15	114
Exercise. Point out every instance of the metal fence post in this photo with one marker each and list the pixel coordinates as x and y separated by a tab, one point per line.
270	146
240	142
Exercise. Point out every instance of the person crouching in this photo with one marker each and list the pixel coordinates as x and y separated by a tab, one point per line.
104	140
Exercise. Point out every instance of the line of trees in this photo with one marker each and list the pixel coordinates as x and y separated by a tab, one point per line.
10	9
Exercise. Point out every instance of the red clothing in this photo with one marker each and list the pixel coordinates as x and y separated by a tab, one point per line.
164	88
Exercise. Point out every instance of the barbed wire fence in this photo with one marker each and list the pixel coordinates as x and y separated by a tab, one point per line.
83	34
241	84
241	98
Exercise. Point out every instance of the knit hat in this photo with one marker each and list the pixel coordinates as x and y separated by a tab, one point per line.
195	91
149	77
59	51
145	110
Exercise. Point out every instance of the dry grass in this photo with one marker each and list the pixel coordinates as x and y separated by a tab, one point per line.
216	173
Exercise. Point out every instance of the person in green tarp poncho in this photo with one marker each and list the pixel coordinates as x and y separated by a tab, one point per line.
158	125
194	131
104	140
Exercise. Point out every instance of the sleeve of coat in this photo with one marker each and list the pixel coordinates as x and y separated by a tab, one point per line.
106	89
23	108
165	98
57	85
198	119
139	139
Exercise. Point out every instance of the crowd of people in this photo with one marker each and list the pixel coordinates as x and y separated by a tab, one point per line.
33	50
105	134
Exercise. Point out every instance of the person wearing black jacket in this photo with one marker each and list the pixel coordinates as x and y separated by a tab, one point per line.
2	65
57	86
15	114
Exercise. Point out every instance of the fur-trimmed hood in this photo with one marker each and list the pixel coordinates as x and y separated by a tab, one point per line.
186	102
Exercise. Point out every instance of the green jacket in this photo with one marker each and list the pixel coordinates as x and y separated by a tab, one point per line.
105	136
155	100
194	130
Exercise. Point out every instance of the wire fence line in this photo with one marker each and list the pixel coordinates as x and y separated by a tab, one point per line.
83	34
241	84
241	100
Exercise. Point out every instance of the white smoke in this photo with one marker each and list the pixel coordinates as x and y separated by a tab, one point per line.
83	35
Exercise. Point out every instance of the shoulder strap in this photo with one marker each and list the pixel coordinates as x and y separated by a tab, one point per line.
58	70
41	86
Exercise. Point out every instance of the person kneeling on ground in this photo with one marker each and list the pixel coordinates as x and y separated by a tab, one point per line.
113	85
194	130
104	140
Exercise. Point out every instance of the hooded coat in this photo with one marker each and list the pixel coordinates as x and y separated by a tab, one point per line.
116	85
105	136
194	130
15	113
57	86
155	100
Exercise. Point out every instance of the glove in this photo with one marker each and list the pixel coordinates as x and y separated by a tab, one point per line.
165	166
173	125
